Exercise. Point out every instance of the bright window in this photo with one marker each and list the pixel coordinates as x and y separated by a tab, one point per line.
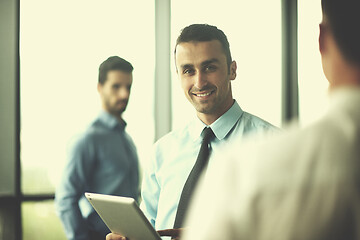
312	82
62	46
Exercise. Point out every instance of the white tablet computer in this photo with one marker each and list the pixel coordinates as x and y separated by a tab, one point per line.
123	216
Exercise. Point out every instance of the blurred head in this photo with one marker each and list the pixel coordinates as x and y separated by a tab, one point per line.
205	70
340	40
115	80
205	33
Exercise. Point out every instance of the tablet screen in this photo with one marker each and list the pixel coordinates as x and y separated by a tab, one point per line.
123	216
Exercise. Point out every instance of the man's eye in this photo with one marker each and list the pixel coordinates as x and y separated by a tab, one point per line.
210	68
188	71
116	86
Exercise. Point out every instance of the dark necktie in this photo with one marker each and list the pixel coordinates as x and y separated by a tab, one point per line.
193	177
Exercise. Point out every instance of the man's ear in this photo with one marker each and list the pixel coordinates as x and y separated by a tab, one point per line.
322	35
233	68
99	87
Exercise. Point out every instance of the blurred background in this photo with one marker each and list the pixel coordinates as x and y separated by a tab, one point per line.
50	52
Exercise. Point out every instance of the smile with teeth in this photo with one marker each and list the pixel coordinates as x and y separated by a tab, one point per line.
203	94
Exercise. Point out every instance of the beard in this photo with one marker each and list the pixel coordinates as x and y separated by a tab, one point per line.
206	106
116	108
217	103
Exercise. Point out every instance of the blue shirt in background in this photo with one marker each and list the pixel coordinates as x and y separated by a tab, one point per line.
103	160
175	154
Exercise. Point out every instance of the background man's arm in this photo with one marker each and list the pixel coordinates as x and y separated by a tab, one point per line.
71	188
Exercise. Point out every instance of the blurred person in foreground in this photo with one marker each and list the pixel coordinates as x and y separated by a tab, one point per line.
304	184
102	160
205	70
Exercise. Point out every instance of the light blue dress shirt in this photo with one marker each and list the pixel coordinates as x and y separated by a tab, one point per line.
102	160
175	154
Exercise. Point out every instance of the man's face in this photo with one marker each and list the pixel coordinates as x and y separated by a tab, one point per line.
115	91
204	75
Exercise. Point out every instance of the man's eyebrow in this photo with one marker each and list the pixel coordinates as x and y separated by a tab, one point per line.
207	62
185	66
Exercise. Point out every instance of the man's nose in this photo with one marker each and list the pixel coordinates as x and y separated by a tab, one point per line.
123	93
199	80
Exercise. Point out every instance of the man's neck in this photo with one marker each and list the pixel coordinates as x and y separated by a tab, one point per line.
348	77
117	116
208	118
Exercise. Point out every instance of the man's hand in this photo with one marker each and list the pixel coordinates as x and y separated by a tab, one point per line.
113	236
173	233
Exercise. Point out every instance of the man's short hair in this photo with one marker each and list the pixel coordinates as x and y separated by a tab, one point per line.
204	33
343	18
113	63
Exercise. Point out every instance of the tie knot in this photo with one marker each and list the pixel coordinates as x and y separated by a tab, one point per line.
208	135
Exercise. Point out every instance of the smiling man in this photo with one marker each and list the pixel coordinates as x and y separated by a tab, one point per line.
205	70
102	160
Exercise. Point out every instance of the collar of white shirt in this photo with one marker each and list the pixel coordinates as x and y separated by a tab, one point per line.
221	127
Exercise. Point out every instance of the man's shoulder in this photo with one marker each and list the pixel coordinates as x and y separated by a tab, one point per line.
255	121
174	136
97	129
88	136
295	147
